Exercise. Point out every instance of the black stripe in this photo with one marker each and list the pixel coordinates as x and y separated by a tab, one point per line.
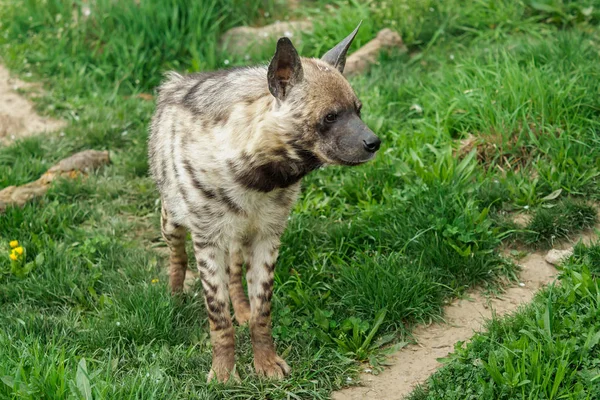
211	288
230	203
208	193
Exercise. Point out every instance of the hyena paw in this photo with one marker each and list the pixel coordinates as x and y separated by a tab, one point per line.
271	366
222	374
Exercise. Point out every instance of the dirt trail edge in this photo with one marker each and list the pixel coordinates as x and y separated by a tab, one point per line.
17	114
415	363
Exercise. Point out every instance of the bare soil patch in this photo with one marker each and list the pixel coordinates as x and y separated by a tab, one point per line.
17	116
415	363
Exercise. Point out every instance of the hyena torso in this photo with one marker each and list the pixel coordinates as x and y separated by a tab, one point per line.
228	150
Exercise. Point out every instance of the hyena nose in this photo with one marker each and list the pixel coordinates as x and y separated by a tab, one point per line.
372	144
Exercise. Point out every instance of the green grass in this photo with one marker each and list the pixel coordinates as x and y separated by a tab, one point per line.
550	225
547	350
373	249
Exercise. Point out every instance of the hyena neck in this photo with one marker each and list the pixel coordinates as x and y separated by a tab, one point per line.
274	156
270	170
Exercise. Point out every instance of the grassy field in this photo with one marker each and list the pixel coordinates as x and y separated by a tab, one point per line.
369	251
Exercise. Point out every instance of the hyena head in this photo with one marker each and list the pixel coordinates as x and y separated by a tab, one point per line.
324	109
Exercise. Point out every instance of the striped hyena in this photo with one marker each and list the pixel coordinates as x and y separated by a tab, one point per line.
227	151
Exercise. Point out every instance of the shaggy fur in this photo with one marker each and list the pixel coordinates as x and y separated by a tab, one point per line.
227	151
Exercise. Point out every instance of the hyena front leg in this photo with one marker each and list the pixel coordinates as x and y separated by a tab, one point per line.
174	235
213	274
241	306
261	268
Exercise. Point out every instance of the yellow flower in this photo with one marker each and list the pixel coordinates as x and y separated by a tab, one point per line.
13	256
155	280
14	243
18	250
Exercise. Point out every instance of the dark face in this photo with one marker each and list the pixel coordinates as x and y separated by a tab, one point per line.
318	88
345	139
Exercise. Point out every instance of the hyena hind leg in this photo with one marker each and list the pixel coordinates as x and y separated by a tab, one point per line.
241	305
174	235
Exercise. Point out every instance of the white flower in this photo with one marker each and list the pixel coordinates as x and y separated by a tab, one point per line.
226	62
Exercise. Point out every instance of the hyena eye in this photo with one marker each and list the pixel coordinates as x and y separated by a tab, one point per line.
330	118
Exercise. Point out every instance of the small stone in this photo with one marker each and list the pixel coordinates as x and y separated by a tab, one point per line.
555	256
521	284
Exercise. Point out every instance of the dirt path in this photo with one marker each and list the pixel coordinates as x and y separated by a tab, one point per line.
415	363
17	115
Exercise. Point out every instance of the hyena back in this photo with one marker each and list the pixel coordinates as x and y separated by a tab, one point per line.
227	151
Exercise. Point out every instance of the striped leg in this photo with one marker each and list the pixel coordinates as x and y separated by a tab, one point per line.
174	235
213	273
241	305
260	289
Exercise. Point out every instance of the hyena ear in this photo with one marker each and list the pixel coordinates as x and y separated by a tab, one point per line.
285	69
337	55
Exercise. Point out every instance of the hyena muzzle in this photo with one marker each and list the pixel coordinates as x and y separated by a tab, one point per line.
227	151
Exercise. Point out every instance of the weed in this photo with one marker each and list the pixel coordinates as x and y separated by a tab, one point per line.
549	225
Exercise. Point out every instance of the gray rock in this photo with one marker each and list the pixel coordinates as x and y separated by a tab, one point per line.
242	40
555	256
362	59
